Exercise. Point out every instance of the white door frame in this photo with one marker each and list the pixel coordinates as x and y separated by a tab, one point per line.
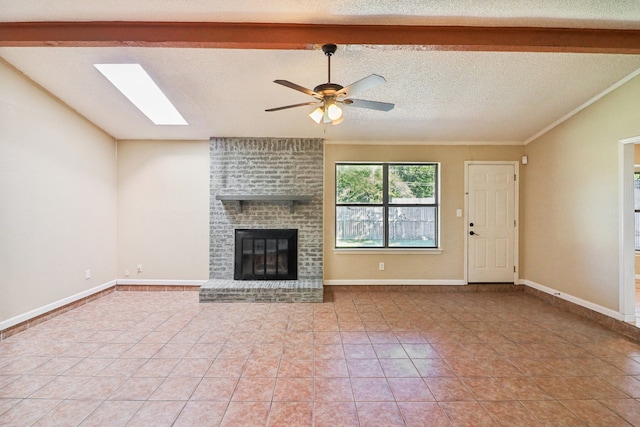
626	229
516	168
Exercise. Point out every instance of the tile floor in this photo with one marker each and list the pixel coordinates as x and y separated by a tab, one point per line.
361	359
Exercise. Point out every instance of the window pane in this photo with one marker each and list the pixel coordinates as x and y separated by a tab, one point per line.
283	251
637	231
412	184
636	194
357	184
272	256
636	190
359	227
258	256
412	226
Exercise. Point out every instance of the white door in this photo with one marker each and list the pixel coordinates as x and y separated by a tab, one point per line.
491	223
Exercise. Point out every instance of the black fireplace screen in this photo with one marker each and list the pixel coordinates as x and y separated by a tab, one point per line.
266	254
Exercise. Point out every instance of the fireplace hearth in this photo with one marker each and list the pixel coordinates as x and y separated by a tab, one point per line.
266	254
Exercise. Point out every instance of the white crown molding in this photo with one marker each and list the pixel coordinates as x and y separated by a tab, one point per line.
393	142
583	106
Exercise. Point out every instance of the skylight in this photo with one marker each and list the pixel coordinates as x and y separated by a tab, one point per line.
134	83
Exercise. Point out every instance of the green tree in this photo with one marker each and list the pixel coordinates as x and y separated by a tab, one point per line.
411	181
364	183
359	183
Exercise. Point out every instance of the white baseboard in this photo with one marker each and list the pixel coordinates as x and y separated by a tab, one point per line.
393	282
54	305
586	304
359	282
73	298
160	282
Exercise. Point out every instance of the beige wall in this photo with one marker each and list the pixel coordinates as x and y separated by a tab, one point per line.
58	198
163	209
571	199
449	265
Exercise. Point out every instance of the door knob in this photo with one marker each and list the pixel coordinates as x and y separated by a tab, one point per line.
473	233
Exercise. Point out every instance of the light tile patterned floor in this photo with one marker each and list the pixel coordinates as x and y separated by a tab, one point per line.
361	359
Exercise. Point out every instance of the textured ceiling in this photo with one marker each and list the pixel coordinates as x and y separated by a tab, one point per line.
563	13
440	96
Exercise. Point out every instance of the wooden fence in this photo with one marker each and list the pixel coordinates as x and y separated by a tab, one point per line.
362	223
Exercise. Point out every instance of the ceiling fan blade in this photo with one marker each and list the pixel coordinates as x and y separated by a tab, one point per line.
292	106
298	88
363	84
372	105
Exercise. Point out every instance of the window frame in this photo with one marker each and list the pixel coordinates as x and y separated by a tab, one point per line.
385	205
636	173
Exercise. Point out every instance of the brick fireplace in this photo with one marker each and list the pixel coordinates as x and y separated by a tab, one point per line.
265	183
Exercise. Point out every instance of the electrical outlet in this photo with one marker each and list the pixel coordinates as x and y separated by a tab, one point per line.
381	266
87	273
139	268
126	273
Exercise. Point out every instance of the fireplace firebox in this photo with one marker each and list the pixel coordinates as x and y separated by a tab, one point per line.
266	254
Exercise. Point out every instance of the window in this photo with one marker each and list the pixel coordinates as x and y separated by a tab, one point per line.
636	195
387	205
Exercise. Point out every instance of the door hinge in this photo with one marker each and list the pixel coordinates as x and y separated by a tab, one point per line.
514	222
514	268
515	177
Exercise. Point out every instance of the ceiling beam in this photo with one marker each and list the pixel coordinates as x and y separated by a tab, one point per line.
307	36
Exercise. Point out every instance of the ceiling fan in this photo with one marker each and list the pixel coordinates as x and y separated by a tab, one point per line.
330	96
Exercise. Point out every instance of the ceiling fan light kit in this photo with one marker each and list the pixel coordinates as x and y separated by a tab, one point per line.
330	95
333	111
317	115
